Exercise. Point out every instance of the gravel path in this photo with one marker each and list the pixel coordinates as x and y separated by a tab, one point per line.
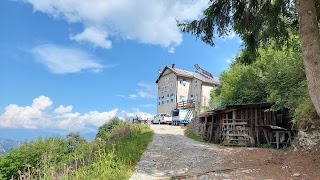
172	154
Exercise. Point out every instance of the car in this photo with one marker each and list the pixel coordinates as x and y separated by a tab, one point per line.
162	118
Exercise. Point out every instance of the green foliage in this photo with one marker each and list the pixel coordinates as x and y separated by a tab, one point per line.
75	140
239	84
190	134
257	22
74	158
105	130
277	76
268	146
30	153
119	157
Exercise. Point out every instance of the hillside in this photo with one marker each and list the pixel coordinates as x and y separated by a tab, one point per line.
7	144
117	148
2	150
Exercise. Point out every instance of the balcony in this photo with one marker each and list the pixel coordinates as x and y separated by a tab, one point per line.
186	104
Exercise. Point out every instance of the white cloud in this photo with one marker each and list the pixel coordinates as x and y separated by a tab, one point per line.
231	35
148	105
63	110
147	21
41	103
144	90
229	60
133	96
38	116
172	50
136	112
147	90
62	60
94	36
96	118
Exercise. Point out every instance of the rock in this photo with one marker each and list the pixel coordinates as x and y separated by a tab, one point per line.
204	177
308	140
296	175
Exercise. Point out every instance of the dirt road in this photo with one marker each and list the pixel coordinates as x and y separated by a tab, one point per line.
171	155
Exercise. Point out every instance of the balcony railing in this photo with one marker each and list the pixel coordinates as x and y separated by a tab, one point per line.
186	104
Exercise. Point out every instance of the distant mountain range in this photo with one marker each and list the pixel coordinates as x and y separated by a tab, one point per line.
7	144
17	134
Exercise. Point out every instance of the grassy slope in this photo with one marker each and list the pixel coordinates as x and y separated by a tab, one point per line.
113	157
122	156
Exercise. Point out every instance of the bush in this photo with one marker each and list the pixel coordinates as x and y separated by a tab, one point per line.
29	154
74	158
190	134
105	130
277	77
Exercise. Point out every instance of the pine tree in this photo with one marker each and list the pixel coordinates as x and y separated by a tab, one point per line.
259	22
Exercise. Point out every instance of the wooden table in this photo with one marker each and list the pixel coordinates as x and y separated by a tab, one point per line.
269	133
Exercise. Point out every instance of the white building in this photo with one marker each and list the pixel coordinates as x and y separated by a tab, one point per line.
179	88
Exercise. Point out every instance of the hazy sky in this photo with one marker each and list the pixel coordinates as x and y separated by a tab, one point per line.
72	65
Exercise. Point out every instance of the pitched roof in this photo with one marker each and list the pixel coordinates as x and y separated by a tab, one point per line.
189	74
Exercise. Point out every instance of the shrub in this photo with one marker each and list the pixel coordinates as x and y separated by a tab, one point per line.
114	157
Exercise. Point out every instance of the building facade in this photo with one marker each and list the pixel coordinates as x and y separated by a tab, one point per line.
179	88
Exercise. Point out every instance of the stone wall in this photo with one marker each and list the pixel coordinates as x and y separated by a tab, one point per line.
307	140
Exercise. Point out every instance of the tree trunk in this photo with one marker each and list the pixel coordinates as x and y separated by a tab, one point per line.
310	41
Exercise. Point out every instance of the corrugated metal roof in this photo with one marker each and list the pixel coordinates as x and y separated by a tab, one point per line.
189	74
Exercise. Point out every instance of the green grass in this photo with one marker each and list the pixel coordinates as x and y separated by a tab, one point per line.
266	146
113	156
120	157
190	134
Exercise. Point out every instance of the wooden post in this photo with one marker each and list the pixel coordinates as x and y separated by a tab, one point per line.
274	118
205	126
257	119
234	114
211	128
277	139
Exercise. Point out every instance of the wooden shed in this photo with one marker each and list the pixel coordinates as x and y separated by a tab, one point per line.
242	124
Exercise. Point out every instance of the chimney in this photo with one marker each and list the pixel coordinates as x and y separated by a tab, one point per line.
173	65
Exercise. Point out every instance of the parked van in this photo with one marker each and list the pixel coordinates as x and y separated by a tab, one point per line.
162	118
181	116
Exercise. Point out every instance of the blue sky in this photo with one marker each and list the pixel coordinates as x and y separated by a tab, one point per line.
73	65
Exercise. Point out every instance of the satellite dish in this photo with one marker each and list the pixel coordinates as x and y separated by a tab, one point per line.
159	70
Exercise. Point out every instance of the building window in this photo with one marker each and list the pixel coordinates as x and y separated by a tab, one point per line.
168	98
166	80
192	97
182	98
172	96
162	98
183	82
159	100
195	83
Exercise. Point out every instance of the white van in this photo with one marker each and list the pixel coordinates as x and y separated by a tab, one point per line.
181	116
162	118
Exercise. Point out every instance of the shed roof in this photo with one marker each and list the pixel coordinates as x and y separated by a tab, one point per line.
189	74
237	106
